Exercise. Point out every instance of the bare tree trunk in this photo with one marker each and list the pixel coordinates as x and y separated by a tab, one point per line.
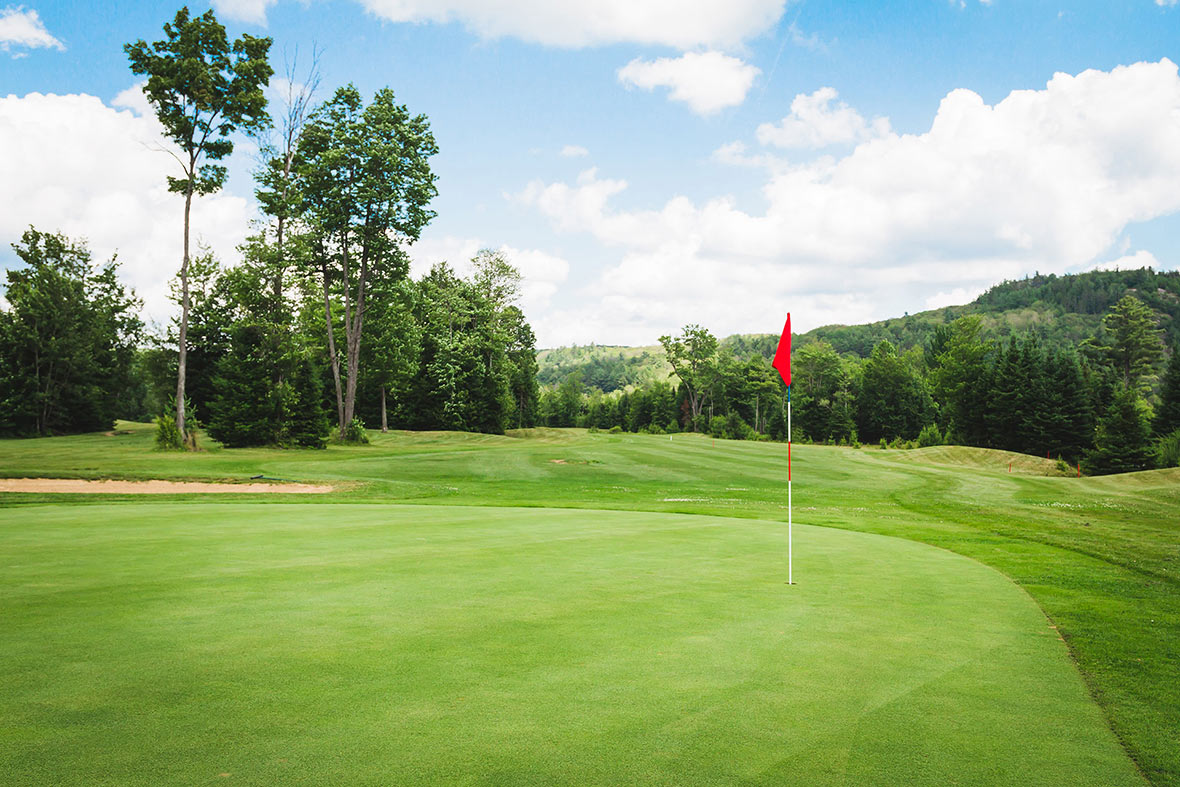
384	420
182	345
332	347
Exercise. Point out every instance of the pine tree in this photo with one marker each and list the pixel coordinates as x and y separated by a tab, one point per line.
1135	344
246	409
1167	416
1073	429
1123	440
307	420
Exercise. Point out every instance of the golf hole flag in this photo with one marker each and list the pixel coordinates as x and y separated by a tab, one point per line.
782	362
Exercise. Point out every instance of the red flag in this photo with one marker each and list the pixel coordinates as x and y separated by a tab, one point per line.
782	356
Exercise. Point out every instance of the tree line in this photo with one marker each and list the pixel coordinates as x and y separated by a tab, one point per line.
1104	404
321	317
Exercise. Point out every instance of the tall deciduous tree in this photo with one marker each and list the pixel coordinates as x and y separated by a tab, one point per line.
893	400
364	179
203	88
277	195
692	356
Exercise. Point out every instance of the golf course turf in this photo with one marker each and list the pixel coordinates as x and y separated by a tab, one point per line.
421	626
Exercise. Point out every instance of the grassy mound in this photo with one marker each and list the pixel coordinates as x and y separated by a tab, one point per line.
375	644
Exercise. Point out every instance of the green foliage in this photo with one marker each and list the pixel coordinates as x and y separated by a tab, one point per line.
203	89
1133	345
1167	450
892	400
364	180
307	423
692	356
354	432
167	435
247	409
67	339
930	436
1123	440
1167	415
822	390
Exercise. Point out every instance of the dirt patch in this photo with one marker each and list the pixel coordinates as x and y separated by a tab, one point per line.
558	461
79	485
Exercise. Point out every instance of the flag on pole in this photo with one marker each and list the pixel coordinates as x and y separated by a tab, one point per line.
782	356
782	362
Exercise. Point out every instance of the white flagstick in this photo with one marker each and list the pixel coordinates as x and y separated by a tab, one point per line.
790	556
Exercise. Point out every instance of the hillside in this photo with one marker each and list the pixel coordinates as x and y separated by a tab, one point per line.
1061	310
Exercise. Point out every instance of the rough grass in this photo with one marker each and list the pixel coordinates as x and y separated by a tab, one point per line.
1099	555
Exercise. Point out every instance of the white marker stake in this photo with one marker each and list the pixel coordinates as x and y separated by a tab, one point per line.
790	556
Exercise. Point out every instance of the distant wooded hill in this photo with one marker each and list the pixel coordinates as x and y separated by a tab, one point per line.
1061	311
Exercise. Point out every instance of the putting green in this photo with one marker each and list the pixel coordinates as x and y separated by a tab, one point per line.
271	643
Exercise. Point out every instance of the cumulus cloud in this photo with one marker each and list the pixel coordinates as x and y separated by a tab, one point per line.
818	120
1043	180
23	29
707	81
575	23
574	151
73	164
251	11
1128	262
541	273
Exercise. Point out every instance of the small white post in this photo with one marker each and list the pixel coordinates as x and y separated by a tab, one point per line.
790	555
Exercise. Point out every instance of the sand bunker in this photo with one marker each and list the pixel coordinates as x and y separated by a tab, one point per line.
75	485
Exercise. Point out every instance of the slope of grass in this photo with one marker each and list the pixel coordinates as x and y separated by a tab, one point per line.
1100	555
374	644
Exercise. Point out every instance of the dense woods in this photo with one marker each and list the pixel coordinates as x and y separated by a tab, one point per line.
1106	401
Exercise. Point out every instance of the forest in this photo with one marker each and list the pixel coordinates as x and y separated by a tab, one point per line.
1109	404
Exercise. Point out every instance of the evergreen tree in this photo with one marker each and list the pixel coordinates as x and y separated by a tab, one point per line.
1007	401
1122	443
67	339
307	420
1071	431
246	410
1167	415
1134	344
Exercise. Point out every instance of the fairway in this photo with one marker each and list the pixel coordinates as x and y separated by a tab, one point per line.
380	644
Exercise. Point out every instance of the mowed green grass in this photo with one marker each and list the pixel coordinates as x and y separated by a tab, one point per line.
377	644
1101	556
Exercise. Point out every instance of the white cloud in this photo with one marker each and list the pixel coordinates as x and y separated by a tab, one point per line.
817	121
683	24
252	11
1166	3
1044	180
541	273
1128	262
74	165
574	151
21	29
707	81
956	297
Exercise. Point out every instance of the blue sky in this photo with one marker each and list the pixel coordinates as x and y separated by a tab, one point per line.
649	165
